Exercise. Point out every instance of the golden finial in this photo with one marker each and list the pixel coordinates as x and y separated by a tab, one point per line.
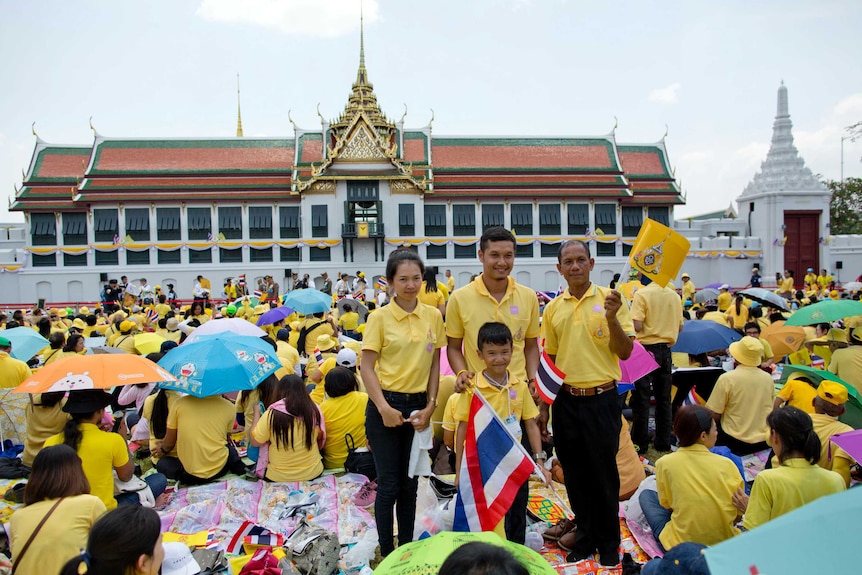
33	129
616	124
431	121
319	115
292	123
238	112
404	115
666	130
95	133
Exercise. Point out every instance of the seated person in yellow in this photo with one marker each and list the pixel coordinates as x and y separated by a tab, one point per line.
799	392
828	339
511	399
317	368
828	407
430	294
199	428
846	363
293	427
54	351
797	481
45	418
125	339
752	329
286	353
348	321
344	413
311	329
737	314
694	502
154	414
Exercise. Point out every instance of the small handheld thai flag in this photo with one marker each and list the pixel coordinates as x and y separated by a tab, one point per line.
493	469
240	280
152	315
209	237
381	281
257	293
318	356
545	296
693	398
549	379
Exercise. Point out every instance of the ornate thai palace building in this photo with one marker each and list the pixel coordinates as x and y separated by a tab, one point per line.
337	198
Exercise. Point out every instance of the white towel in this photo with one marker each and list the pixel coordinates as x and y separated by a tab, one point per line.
420	461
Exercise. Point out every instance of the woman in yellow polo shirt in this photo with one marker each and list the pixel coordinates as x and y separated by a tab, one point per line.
429	294
737	314
344	413
401	370
694	502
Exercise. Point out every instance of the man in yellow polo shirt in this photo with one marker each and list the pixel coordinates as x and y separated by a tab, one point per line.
688	288
12	371
588	329
847	363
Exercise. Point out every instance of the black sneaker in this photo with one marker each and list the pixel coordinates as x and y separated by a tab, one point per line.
576	556
609	559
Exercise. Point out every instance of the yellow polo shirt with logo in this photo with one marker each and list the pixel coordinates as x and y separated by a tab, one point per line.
782	489
698	486
100	452
286	462
432	298
13	371
744	398
846	363
471	306
798	394
405	343
660	310
511	400
202	436
834	458
287	354
577	333
344	414
349	321
688	290
724	300
738	319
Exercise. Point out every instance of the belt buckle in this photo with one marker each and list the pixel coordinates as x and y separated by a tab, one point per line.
599	389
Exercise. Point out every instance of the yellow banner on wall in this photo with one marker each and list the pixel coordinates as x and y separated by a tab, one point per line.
361	229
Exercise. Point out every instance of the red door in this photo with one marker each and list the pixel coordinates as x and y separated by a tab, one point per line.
802	250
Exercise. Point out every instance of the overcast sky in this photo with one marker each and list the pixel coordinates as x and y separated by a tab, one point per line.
705	71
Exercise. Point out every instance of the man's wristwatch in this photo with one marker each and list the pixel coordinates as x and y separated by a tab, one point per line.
540	456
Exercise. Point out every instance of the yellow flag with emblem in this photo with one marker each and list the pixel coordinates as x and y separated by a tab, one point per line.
658	252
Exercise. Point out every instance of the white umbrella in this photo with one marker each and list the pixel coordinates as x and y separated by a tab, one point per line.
236	325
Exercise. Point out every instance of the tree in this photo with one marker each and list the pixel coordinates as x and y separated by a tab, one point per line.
845	206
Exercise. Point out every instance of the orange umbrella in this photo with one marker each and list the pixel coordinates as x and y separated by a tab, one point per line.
101	371
783	339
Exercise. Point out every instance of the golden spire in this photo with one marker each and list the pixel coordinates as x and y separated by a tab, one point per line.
238	113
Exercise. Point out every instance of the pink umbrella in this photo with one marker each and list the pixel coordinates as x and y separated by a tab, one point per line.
640	363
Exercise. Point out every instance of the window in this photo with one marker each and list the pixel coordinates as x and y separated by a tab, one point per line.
168	224
138	258
406	220
549	220
232	256
522	219
290	254
606	249
606	218
44	261
319	223
633	217
200	226
138	224
204	256
260	223
260	254
365	191
465	252
169	257
230	223
319	254
105	226
43	231
492	215
464	220
579	219
550	250
661	214
435	220
72	260
433	252
524	250
627	249
107	258
288	222
75	229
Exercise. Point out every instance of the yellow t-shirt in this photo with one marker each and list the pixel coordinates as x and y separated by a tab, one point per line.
101	452
405	343
147	413
738	319
343	415
744	398
660	310
577	332
629	466
42	423
202	424
782	489
521	406
767	350
824	281
318	393
825	427
287	354
810	279
124	342
162	309
846	363
724	300
799	394
450	284
688	289
432	298
698	486
785	286
286	463
471	306
349	321
62	536
13	371
311	338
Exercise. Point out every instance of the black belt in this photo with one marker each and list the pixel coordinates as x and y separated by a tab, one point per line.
408	396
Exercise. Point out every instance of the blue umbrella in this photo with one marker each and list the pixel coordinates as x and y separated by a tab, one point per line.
26	342
274	315
220	363
702	336
308	301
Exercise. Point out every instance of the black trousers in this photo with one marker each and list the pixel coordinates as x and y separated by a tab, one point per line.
172	468
738	447
657	384
516	516
390	447
586	438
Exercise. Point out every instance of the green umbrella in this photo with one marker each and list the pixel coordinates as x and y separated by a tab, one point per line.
424	557
825	311
853	415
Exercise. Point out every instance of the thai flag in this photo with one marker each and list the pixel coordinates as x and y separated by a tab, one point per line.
693	398
240	280
549	379
245	530
493	468
209	237
116	239
382	282
152	315
318	356
257	293
543	296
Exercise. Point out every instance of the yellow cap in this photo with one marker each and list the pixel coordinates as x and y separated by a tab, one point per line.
833	392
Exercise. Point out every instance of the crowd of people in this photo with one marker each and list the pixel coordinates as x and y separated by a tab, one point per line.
370	369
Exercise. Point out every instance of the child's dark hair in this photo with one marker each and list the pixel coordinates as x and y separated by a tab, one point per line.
399	257
340	381
495	333
480	558
690	422
796	431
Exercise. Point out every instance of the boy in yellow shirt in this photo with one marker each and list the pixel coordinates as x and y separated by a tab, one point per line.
511	400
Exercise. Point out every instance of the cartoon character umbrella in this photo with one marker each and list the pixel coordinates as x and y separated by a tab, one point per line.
97	371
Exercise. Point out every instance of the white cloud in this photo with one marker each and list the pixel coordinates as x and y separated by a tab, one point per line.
666	95
325	18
